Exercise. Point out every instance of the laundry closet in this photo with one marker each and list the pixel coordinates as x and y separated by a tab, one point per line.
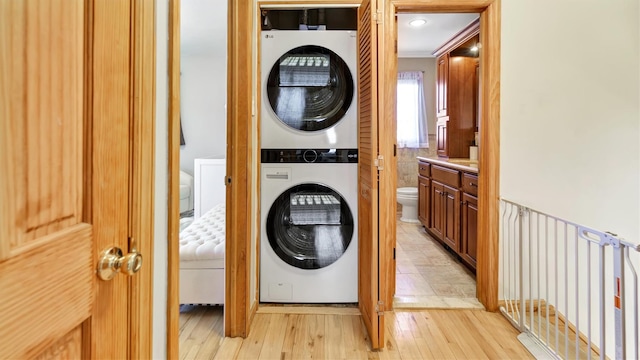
308	156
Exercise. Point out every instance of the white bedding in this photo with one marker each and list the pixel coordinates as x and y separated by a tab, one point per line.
204	238
202	259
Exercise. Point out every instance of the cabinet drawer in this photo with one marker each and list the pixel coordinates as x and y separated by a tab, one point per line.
446	176
424	169
470	184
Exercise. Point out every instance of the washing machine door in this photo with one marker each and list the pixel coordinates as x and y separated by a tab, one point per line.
310	88
309	226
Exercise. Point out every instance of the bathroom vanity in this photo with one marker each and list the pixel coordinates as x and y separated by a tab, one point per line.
448	204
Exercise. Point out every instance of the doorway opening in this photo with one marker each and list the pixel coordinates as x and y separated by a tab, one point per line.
430	272
202	166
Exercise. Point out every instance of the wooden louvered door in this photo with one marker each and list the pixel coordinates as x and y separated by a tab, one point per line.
65	152
368	252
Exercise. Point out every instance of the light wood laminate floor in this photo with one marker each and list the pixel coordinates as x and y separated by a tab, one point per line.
425	334
294	332
201	331
428	276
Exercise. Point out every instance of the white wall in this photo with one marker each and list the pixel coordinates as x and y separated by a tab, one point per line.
570	110
160	249
203	85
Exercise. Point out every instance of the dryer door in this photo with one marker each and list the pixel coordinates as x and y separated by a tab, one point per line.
309	226
310	88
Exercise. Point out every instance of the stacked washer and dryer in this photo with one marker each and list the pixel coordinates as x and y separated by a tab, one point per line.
309	167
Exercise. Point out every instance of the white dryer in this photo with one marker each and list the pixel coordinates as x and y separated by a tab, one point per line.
309	89
309	226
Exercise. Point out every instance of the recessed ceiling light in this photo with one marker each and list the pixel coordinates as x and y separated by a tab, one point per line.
417	22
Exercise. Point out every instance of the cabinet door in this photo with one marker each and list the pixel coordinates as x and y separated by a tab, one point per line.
424	192
461	96
441	136
469	229
437	209
442	79
451	234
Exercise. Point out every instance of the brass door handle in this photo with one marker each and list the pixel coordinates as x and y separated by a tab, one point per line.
112	261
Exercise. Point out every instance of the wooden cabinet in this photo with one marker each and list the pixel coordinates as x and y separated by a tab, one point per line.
424	203
457	92
448	206
436	226
445	202
470	184
442	75
424	193
469	216
445	214
469	241
451	218
441	136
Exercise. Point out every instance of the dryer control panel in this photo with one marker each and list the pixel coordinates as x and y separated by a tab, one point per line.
272	156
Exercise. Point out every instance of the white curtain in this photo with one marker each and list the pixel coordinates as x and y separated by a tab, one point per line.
411	111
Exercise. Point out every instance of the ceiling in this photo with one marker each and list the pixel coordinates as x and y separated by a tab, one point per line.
422	41
203	29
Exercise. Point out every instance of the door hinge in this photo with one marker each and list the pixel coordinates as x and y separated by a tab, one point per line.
227	180
380	308
377	17
395	47
379	162
394	253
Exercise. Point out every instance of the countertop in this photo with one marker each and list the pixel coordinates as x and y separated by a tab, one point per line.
458	164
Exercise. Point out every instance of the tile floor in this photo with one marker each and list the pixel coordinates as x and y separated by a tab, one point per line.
427	276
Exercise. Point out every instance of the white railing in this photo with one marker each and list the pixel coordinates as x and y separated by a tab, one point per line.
564	286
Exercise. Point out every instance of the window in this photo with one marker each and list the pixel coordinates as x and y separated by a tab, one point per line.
411	111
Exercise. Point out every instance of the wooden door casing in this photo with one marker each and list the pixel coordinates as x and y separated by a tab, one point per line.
489	124
388	177
67	188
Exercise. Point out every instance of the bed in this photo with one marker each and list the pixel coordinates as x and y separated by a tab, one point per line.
186	192
202	251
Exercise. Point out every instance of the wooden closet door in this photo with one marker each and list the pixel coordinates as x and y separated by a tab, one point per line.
65	103
368	248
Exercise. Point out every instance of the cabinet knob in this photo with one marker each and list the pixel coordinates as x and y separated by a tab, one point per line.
473	184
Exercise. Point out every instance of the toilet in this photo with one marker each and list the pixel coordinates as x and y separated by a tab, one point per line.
408	198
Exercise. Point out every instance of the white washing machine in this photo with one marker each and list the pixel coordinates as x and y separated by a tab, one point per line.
309	226
309	89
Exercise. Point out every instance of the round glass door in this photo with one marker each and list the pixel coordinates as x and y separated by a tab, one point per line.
310	88
309	226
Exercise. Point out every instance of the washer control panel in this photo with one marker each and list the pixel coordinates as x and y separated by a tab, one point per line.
271	156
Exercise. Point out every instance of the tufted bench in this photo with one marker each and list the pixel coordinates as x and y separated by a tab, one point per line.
202	246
